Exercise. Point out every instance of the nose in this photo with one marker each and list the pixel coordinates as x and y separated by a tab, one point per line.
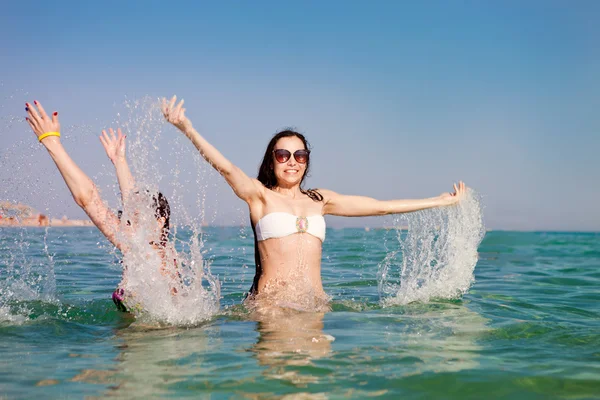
292	161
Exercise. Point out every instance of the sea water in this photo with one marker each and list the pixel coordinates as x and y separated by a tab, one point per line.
528	326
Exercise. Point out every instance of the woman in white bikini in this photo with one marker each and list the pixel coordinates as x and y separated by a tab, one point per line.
287	219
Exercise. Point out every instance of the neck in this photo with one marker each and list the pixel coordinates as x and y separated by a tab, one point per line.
291	192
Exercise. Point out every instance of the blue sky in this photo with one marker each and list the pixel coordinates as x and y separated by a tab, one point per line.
398	99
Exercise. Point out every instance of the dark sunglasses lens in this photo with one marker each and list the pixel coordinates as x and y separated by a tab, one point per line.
301	156
282	155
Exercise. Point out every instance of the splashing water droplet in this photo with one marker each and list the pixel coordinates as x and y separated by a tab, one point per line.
436	256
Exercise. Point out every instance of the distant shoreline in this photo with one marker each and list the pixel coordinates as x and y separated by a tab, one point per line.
45	223
47	226
22	215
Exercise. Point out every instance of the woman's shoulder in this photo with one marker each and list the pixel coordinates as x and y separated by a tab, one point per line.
325	193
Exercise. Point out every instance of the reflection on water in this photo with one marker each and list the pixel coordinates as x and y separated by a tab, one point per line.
293	349
222	354
439	337
152	361
275	351
289	338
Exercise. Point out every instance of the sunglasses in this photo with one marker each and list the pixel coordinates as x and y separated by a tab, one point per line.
283	155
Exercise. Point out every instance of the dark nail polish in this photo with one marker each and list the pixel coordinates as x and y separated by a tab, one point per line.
26	109
35	102
55	113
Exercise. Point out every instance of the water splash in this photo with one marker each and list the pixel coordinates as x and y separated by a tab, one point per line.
437	254
166	285
171	284
25	274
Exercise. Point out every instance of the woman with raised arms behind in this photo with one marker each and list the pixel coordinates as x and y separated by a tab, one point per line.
87	196
287	219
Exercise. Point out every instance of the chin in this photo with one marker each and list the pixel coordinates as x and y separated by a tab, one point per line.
290	181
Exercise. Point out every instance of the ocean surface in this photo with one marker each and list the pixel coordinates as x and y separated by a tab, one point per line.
528	327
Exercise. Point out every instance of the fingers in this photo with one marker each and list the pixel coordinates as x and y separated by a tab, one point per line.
104	144
34	124
178	108
461	187
32	113
42	111
30	124
172	102
112	138
182	115
55	118
163	106
105	137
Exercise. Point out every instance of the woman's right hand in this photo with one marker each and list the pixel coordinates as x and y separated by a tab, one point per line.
176	114
41	123
449	199
114	145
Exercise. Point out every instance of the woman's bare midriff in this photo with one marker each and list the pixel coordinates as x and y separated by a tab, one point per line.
291	272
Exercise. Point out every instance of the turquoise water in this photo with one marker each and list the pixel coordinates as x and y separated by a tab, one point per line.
529	327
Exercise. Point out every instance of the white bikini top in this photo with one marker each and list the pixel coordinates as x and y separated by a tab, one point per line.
280	224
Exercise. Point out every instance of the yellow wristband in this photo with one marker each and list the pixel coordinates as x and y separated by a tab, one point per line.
45	135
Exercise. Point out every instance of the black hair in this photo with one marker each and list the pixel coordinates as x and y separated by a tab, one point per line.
161	210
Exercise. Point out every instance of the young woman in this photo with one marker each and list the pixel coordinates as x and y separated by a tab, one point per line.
287	219
87	196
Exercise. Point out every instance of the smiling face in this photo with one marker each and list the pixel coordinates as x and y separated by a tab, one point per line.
290	172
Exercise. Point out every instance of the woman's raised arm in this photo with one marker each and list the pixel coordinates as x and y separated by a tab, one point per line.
115	150
244	187
359	206
81	186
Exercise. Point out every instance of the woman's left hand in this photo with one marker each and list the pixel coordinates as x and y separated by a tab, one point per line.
452	198
114	145
41	123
